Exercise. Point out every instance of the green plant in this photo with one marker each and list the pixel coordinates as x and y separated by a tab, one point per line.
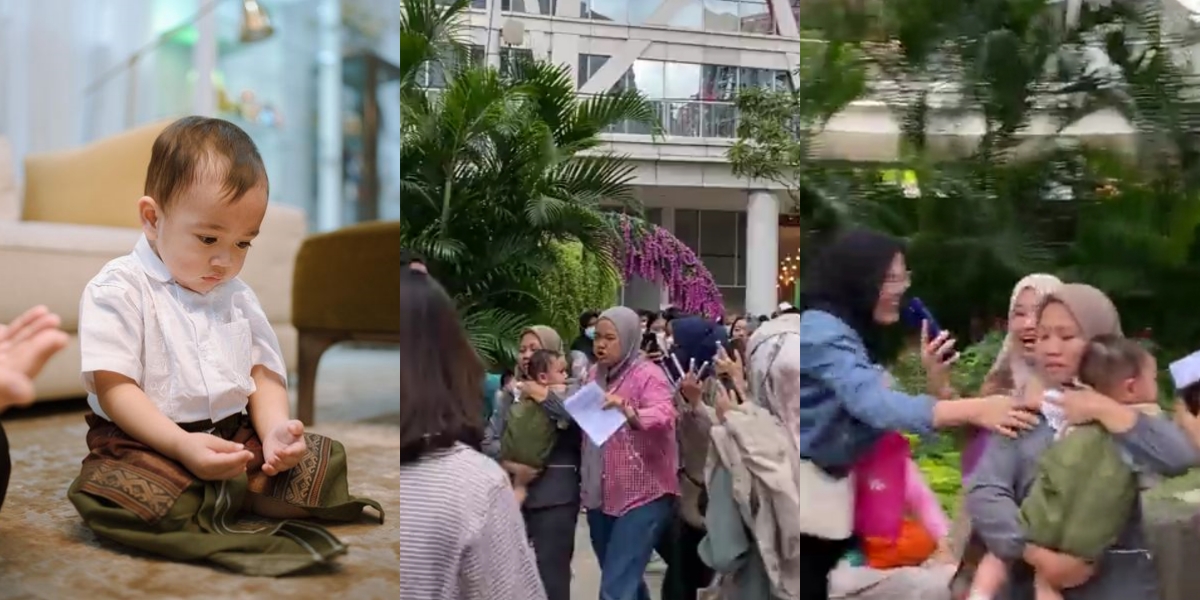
496	168
578	282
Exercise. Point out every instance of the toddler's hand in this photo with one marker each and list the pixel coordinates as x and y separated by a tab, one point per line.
283	447
213	459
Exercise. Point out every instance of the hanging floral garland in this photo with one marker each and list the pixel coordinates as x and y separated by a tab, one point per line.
654	254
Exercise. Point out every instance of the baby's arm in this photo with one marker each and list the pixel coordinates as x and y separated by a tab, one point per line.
269	406
129	407
205	456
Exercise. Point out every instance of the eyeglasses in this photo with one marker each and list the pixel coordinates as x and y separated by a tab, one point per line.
898	279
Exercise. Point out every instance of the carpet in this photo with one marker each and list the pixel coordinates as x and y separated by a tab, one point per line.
46	552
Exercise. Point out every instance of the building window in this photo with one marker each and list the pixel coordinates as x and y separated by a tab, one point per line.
692	100
529	7
512	58
588	65
716	238
432	74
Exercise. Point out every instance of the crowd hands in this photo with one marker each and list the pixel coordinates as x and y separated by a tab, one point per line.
26	345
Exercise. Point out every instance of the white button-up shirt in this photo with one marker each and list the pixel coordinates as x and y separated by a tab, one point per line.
190	353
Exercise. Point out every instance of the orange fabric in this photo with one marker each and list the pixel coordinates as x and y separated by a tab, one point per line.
911	548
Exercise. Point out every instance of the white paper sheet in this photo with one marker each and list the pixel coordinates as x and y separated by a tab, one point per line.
587	408
1186	370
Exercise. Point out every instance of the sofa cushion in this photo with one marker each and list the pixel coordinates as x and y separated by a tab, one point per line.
98	184
10	202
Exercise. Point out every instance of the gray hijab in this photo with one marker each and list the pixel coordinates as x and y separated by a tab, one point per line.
629	333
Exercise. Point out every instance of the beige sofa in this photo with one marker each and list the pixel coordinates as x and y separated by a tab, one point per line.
78	211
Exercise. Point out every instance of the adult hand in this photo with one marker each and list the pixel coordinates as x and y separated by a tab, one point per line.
1059	570
522	474
28	342
535	391
15	389
615	402
1003	415
723	403
1083	405
690	389
729	366
937	357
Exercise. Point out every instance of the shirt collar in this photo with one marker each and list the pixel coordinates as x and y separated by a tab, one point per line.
151	263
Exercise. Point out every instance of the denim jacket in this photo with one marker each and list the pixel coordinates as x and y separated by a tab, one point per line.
845	404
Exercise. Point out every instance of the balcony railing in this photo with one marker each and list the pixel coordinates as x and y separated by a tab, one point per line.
688	118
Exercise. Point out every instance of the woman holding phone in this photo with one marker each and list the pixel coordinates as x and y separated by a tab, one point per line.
852	290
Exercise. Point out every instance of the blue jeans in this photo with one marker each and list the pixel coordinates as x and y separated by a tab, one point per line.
623	546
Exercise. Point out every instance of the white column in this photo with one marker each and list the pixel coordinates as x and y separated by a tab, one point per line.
329	117
204	60
762	252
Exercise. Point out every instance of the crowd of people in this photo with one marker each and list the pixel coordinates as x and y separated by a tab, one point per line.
743	446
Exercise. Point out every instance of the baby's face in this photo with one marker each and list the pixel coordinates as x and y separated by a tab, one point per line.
1146	387
203	238
557	375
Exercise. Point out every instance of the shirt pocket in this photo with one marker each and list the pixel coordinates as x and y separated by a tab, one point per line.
233	348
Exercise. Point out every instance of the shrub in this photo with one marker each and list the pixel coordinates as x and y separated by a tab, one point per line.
578	282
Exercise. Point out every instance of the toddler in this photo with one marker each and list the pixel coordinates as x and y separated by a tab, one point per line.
530	433
1086	485
190	417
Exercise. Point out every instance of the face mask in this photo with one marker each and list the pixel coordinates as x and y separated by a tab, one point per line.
590	332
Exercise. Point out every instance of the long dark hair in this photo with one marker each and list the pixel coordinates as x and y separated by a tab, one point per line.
441	376
845	278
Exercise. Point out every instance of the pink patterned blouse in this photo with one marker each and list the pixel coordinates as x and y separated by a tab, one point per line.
640	465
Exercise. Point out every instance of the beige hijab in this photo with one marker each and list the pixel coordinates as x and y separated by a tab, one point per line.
1010	371
548	337
1093	311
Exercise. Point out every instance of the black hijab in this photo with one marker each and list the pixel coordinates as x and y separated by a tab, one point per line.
845	279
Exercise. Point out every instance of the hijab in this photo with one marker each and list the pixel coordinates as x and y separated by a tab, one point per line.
695	340
773	354
547	336
1010	367
1094	313
629	332
845	279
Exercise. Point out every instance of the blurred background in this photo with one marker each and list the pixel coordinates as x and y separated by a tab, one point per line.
312	81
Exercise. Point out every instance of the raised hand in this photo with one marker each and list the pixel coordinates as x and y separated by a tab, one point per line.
28	342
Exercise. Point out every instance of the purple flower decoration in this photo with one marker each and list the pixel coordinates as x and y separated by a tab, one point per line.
653	254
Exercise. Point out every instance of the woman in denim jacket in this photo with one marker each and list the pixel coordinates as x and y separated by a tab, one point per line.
850	292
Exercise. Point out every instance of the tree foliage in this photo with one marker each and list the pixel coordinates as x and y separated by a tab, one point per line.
496	169
1025	196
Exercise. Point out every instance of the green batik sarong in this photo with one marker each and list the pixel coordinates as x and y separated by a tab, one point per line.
128	493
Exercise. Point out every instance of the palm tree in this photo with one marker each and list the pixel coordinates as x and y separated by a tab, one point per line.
495	168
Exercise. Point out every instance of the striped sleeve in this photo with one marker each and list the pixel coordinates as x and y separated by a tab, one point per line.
498	562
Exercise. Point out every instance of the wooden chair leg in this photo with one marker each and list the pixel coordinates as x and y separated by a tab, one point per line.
311	346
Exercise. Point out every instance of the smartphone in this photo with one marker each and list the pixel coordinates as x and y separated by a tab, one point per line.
914	312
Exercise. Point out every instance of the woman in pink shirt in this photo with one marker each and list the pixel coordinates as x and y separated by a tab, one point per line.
630	483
